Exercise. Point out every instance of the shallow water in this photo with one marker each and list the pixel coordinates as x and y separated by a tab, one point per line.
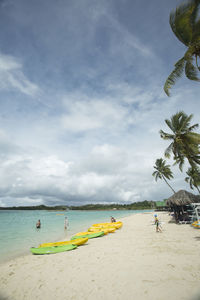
18	227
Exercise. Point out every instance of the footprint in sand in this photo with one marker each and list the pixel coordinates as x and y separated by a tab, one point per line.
171	265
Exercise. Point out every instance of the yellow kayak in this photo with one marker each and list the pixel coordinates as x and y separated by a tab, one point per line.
97	229
83	233
77	242
102	228
117	225
196	224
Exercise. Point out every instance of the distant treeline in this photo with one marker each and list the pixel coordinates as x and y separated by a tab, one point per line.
38	207
136	205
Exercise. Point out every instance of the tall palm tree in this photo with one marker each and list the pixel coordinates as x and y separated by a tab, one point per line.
185	24
193	178
185	143
163	171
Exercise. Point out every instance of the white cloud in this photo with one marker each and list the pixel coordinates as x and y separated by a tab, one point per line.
12	77
91	114
129	40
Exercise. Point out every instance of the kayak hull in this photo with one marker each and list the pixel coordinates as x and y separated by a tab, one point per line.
100	228
52	250
116	225
89	235
77	242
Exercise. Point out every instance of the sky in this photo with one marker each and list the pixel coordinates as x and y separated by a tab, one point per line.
82	100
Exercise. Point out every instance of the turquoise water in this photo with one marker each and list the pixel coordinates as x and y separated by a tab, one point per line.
18	231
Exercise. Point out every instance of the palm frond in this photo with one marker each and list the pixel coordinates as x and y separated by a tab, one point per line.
195	161
196	32
180	162
180	21
169	124
187	179
177	121
191	71
193	138
168	150
175	74
184	122
194	14
166	136
191	128
168	174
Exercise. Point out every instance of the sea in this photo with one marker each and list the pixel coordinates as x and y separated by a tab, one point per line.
18	231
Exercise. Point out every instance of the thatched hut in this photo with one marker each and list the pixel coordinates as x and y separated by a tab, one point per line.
178	201
182	197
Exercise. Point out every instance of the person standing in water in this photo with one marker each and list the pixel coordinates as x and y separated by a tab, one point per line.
38	224
112	219
66	223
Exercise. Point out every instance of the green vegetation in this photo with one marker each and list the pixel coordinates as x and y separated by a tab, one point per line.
185	143
185	24
193	177
163	171
135	206
38	207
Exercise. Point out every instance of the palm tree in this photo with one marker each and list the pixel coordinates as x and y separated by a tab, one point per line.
185	143
185	24
163	171
193	178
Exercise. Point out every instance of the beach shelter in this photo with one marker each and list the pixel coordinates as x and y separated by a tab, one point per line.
178	200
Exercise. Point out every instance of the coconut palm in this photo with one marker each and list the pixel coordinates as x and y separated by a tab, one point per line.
185	24
193	177
163	171
185	143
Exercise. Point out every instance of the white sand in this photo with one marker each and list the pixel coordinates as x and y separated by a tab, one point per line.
135	262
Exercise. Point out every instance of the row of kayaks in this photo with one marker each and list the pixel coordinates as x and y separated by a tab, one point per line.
80	238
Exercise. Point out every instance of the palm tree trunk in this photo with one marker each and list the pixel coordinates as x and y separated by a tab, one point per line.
168	184
197	188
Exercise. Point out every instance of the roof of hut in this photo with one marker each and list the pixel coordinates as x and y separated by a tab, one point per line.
182	197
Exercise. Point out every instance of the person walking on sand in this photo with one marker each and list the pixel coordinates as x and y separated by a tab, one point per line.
38	224
157	223
66	223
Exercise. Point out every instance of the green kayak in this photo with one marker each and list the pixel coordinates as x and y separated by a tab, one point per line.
89	236
51	250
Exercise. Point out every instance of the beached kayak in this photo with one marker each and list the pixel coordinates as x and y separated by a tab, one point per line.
196	224
77	242
82	233
89	235
116	225
51	250
100	228
96	229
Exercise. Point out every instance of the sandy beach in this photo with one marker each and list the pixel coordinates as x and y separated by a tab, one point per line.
135	262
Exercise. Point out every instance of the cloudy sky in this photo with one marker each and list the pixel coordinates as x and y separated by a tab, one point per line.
82	100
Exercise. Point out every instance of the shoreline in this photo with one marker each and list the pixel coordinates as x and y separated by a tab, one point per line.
55	233
133	261
58	239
